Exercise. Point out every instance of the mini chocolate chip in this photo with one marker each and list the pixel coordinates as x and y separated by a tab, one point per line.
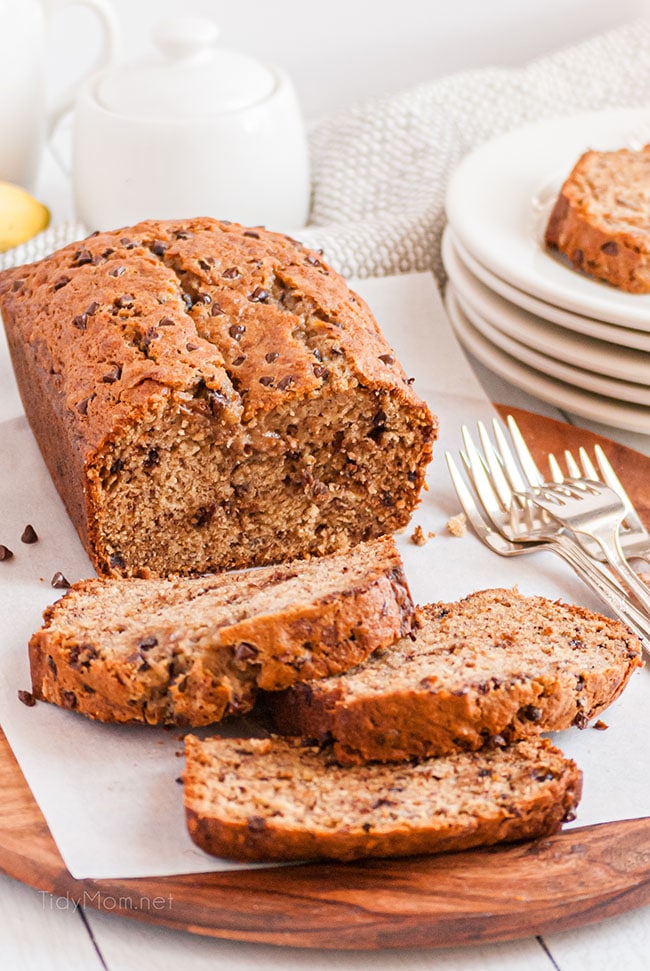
16	285
159	248
113	375
203	298
27	698
610	247
239	360
147	643
166	322
82	406
59	582
118	271
256	824
81	257
117	561
182	234
321	372
204	515
51	663
286	382
312	260
267	381
92	309
116	467
126	300
379	418
231	273
187	300
366	827
217	309
192	347
5	552
531	713
204	265
580	721
410	381
69	698
152	459
29	535
412	476
245	652
253	235
236	331
61	282
80	321
259	295
387	358
318	355
271	357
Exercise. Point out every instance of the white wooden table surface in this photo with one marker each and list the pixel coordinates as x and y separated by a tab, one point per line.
337	53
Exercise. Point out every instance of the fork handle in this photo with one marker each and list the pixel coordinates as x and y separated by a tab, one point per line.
604	587
610	544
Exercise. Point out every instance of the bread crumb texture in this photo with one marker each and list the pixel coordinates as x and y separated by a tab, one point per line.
601	220
483	671
272	799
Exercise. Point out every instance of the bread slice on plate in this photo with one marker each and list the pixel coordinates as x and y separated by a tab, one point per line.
272	799
188	651
601	220
491	668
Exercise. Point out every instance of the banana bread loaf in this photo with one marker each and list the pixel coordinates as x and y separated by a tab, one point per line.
210	397
601	219
491	668
188	651
271	799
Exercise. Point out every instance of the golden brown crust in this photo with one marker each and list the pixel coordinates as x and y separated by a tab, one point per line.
235	329
202	668
521	793
602	230
537	681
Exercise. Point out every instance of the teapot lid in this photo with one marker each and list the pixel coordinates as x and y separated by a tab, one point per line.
193	77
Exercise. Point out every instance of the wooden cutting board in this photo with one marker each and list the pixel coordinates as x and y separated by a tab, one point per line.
476	897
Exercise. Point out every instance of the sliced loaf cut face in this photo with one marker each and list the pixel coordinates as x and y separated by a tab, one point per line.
272	799
488	669
189	651
601	220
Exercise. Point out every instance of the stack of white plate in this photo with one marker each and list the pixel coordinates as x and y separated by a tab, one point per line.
522	311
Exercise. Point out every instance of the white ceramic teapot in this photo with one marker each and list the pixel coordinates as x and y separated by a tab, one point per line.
197	131
25	122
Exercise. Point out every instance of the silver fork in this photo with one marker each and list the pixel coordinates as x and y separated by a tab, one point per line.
635	538
591	509
591	574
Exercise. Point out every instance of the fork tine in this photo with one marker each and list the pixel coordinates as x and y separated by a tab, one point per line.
485	490
588	467
495	467
510	467
557	475
522	451
572	466
465	498
609	476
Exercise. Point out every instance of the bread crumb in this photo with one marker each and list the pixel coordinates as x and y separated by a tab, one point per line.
457	525
419	537
600	725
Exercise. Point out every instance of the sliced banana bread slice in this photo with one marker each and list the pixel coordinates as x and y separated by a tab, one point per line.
601	219
188	651
495	666
272	799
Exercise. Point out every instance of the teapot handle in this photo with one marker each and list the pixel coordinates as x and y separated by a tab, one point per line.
106	56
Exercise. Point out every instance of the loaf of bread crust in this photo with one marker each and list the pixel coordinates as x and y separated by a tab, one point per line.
488	669
272	799
601	220
209	397
188	651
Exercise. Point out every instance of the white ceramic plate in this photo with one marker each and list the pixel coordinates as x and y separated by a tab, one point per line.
613	333
575	376
532	331
500	196
607	411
